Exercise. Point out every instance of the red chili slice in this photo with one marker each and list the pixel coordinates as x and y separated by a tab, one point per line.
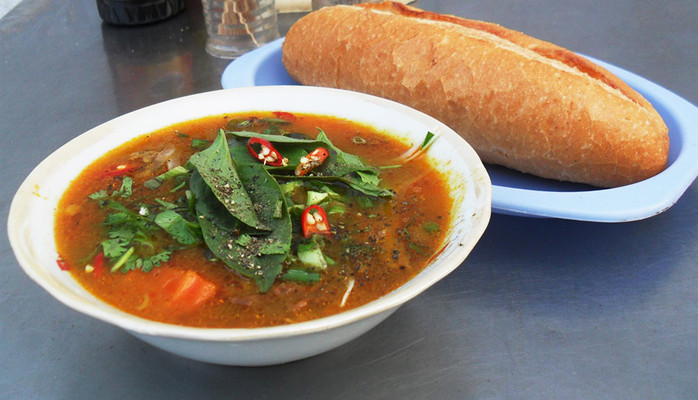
286	116
314	222
263	151
311	161
98	264
62	264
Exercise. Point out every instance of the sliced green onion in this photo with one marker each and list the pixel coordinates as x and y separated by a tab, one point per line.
427	141
417	151
310	254
122	260
315	197
299	275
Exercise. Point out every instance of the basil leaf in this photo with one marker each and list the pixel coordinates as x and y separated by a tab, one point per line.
254	253
338	167
206	204
218	171
246	260
368	178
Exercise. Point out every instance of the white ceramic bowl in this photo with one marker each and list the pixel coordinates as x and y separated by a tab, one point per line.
30	223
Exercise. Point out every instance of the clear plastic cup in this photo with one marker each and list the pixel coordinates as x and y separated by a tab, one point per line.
235	27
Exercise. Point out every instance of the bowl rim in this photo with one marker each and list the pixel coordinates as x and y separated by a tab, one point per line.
139	325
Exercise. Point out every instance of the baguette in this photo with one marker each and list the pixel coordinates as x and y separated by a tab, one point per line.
520	102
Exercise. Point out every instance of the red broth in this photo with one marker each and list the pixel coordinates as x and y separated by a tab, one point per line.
378	247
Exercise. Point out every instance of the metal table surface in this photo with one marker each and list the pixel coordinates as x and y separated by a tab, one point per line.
543	308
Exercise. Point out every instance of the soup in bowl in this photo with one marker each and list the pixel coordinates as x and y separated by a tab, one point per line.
252	226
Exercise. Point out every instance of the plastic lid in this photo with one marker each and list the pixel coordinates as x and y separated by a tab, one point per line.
137	12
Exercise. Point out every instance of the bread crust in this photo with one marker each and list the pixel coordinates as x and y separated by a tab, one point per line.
520	102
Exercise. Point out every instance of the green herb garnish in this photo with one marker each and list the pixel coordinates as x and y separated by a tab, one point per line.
431	227
238	207
299	275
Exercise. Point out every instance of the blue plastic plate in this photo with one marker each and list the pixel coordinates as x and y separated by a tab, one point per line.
522	194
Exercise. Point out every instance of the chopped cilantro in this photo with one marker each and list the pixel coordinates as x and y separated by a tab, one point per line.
183	231
126	189
113	248
166	204
101	195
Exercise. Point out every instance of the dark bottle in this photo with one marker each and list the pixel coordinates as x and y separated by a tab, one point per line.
137	12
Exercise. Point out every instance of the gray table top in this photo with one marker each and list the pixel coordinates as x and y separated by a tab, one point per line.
543	308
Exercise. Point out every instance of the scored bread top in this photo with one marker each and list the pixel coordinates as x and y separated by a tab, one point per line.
519	42
519	101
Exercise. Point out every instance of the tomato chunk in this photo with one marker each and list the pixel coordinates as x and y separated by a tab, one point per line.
181	291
